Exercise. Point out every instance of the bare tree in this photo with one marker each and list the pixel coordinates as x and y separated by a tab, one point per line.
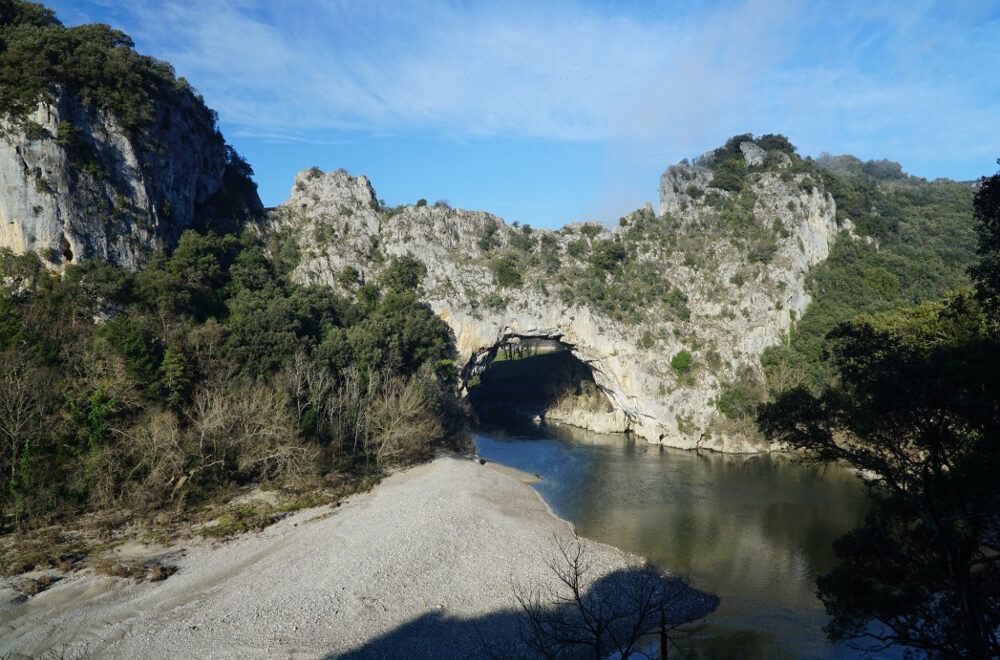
628	613
24	391
403	419
250	425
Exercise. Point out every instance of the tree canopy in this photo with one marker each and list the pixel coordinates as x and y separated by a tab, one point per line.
94	61
914	403
208	368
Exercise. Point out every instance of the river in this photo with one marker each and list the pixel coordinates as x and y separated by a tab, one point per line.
755	530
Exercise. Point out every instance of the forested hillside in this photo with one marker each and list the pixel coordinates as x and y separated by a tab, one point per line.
917	242
212	363
906	240
206	370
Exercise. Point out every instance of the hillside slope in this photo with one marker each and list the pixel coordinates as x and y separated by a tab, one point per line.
103	152
674	312
719	280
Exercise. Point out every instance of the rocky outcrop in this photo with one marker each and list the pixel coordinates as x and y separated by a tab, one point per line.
74	184
722	274
753	155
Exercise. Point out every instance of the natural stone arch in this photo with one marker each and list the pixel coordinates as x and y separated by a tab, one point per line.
619	420
724	323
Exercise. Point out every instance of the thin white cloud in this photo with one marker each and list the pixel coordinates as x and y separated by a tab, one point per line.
916	77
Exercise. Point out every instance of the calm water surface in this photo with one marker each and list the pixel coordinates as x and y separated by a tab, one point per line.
756	530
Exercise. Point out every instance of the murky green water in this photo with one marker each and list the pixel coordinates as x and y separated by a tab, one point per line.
754	530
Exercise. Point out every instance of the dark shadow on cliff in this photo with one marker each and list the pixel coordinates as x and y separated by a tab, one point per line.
529	386
622	612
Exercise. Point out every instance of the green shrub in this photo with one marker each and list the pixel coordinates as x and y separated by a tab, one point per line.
506	272
607	255
681	362
487	238
730	174
577	248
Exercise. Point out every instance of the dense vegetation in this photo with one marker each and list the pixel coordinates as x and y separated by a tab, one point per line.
94	62
918	241
915	405
207	370
910	241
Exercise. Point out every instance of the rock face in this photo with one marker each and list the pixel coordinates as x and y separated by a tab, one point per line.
74	184
752	154
722	277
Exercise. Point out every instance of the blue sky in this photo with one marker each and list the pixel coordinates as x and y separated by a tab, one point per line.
552	112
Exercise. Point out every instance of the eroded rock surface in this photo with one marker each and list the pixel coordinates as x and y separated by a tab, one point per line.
719	275
74	184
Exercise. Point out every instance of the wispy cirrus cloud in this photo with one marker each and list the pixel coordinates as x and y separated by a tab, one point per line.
573	70
913	81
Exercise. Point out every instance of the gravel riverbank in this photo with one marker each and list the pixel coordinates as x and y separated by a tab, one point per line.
419	567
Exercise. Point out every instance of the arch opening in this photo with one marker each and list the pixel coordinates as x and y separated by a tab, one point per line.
538	378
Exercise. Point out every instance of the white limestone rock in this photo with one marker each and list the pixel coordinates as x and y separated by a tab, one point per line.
737	309
753	155
114	196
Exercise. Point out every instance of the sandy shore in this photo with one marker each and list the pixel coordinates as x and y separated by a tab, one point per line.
416	568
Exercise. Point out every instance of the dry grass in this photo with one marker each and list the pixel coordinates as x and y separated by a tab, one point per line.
135	570
29	587
46	548
88	543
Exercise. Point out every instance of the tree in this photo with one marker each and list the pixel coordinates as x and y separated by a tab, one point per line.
608	255
403	274
581	616
915	405
681	362
986	273
24	393
175	377
506	272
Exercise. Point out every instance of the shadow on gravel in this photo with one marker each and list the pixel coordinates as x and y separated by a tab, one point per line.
631	606
437	635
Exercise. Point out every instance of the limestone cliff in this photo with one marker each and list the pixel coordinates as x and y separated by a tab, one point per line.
76	184
665	310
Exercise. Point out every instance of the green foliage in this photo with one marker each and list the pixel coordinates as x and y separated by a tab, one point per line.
730	174
175	376
136	345
730	151
488	239
913	405
681	362
348	277
403	274
191	281
739	399
212	368
523	242
607	255
577	248
94	62
925	243
775	142
506	272
986	271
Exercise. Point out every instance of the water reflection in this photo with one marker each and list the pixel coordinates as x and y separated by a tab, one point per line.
756	530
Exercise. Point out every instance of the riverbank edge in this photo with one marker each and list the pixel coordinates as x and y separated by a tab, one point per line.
498	524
